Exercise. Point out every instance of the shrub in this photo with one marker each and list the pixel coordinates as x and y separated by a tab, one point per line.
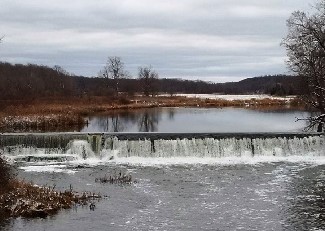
6	174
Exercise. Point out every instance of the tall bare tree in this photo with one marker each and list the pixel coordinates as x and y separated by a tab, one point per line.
114	69
148	78
305	45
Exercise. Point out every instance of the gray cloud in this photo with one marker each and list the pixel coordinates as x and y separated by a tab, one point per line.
207	39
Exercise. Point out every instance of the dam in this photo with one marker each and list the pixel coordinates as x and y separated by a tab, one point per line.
257	181
162	145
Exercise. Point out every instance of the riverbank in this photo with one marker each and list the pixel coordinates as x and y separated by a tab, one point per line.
22	199
69	114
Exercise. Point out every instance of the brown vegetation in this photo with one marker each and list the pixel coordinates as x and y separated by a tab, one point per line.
27	200
21	199
120	179
69	114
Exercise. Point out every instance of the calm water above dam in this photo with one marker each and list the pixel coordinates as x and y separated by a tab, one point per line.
185	184
199	120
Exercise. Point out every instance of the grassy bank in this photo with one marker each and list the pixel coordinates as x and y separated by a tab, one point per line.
69	114
22	199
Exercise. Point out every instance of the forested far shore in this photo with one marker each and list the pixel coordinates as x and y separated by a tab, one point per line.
30	82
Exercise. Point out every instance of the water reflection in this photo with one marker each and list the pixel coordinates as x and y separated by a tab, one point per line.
199	120
171	113
114	123
137	121
149	120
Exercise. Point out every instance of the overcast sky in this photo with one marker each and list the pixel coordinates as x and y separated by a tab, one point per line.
215	40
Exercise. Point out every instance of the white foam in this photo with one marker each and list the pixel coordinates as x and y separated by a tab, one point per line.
160	161
219	148
81	148
68	167
48	168
207	151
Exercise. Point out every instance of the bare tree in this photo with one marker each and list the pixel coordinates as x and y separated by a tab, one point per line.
305	45
114	69
148	78
60	70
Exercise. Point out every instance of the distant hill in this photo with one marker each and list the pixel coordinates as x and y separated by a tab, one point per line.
27	82
274	85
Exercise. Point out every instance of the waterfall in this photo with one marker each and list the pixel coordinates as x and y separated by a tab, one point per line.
75	150
216	148
79	146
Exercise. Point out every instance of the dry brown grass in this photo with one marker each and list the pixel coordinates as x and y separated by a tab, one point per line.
27	200
52	122
68	114
21	199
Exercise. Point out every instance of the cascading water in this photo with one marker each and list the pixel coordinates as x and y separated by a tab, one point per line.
216	148
189	181
80	148
106	147
75	150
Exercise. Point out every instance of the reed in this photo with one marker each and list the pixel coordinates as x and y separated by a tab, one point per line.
22	199
31	201
120	179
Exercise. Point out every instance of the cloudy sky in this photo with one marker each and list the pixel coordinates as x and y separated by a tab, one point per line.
214	40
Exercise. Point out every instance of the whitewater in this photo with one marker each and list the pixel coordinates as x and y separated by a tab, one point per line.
250	182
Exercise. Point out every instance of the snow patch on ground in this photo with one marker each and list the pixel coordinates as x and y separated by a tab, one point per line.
236	97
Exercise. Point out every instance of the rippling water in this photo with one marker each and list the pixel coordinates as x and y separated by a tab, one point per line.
278	194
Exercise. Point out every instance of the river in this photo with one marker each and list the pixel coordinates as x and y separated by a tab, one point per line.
258	184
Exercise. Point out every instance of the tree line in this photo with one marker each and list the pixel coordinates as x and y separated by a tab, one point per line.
29	82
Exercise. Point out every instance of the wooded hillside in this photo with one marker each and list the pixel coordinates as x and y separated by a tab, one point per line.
28	82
